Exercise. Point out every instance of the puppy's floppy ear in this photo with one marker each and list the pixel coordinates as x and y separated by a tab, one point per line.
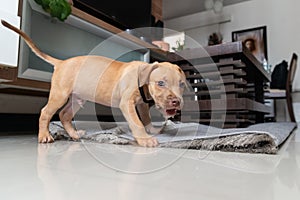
144	72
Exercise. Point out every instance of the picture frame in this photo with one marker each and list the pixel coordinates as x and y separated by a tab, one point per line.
255	39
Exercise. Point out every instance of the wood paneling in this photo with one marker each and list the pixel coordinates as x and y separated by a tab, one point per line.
8	74
226	85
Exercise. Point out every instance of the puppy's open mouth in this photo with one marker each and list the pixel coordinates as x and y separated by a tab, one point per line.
167	112
171	112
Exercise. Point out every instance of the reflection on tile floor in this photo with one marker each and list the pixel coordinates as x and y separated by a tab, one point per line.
84	170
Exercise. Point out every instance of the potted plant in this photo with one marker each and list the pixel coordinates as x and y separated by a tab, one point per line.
179	45
60	9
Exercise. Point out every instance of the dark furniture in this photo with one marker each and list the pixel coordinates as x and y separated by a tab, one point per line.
227	85
287	93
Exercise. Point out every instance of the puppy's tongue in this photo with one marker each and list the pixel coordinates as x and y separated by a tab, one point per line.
171	112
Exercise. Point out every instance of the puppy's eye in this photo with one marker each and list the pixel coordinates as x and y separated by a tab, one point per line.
161	83
182	85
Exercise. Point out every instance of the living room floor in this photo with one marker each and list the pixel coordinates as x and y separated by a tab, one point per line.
85	170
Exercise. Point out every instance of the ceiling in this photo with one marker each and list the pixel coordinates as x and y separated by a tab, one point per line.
178	8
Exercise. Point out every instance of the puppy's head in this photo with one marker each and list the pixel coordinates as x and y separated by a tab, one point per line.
166	83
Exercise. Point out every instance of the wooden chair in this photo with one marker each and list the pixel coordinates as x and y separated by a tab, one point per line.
287	93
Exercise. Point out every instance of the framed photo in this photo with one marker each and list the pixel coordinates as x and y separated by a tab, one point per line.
255	39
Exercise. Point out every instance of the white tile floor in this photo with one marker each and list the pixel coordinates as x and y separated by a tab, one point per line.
75	170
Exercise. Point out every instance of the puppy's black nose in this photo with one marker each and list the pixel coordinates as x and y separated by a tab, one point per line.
175	102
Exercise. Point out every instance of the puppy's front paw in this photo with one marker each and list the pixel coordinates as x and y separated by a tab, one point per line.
147	142
45	138
76	135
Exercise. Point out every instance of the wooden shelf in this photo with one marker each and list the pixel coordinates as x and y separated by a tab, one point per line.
10	83
155	51
213	66
8	74
228	79
222	51
236	104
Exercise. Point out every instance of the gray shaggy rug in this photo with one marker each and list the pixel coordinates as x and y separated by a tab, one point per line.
259	138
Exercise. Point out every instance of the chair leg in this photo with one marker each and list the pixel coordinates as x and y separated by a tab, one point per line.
290	107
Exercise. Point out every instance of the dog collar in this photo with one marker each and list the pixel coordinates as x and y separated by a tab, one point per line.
143	95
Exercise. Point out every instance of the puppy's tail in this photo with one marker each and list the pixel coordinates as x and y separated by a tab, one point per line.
30	43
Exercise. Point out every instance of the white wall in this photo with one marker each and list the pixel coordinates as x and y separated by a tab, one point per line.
282	18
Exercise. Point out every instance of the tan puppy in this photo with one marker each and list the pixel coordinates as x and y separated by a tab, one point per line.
111	83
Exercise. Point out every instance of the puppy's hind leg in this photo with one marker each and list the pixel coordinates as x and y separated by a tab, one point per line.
56	101
68	112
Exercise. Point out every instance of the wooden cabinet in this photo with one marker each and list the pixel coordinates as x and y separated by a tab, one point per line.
80	34
70	38
22	73
227	85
